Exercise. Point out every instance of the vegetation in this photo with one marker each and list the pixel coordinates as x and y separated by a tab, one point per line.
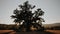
26	19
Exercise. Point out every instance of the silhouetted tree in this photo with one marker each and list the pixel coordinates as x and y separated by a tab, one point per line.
27	18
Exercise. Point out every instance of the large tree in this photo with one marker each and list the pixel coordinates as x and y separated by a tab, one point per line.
26	18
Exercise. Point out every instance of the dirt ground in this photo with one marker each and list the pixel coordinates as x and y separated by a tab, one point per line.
54	31
46	32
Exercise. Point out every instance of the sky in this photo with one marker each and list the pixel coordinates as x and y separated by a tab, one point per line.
50	7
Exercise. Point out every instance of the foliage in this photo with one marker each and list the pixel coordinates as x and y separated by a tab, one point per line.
26	17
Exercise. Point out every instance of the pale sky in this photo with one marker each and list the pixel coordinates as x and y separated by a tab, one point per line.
50	7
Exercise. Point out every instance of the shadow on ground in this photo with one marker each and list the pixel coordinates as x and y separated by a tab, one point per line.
33	32
45	32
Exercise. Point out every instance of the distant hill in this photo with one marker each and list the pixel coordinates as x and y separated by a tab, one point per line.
52	26
14	26
5	26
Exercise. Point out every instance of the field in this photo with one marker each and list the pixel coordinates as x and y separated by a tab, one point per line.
45	32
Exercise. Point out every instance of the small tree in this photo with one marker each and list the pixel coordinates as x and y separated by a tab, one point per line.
27	18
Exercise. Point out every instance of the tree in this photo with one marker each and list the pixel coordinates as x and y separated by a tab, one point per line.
27	18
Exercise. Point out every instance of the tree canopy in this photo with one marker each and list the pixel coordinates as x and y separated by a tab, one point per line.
26	17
